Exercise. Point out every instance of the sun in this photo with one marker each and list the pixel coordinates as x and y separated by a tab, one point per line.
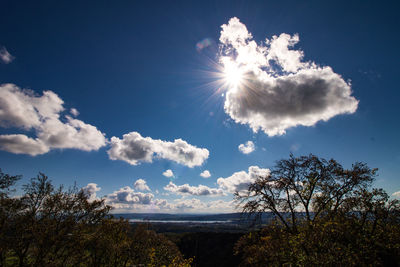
233	74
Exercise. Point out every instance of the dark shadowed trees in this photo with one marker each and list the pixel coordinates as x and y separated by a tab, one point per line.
324	215
57	227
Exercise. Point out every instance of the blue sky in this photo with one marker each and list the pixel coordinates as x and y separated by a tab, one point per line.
156	72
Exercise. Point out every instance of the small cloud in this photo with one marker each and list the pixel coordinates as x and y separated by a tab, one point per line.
90	190
141	185
396	194
168	173
295	147
5	56
74	112
203	44
247	148
205	174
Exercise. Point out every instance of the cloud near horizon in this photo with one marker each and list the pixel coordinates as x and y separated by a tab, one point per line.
279	90
200	190
134	149
23	109
396	194
127	199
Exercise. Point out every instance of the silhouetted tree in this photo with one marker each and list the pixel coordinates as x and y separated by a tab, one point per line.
58	227
9	207
324	215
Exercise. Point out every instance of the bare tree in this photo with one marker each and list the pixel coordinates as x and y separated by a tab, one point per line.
305	189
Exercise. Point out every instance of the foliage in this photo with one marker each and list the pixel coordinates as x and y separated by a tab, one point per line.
57	227
324	215
209	248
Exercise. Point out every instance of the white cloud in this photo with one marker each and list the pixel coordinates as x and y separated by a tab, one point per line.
90	190
127	195
25	110
133	148
240	181
74	112
176	206
127	199
396	194
200	190
198	206
205	174
192	204
141	185
278	90
168	173
5	56
247	148
22	144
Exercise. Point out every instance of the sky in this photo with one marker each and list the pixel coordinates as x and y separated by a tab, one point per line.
171	106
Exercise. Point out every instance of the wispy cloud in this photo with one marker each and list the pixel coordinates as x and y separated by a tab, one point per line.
74	112
5	56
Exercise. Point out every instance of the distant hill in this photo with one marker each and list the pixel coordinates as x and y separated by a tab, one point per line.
227	217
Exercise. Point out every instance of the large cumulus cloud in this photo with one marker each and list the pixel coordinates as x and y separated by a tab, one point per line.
133	148
278	89
41	114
